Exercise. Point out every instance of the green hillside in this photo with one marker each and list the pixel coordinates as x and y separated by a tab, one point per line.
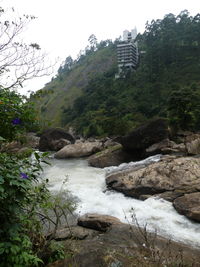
61	92
165	84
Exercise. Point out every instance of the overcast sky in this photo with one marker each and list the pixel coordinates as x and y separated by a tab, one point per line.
62	27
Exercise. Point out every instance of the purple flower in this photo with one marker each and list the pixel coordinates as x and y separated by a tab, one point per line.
16	121
23	175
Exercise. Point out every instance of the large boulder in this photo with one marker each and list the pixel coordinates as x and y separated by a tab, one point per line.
166	146
192	143
112	156
54	139
97	222
189	205
177	175
142	137
79	150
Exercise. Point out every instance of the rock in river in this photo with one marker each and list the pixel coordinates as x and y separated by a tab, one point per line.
189	205
79	150
171	174
111	156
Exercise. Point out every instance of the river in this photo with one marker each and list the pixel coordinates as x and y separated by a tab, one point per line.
87	184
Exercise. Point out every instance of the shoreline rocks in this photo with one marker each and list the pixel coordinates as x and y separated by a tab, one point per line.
169	174
54	139
121	245
97	222
137	141
112	156
189	205
173	179
79	149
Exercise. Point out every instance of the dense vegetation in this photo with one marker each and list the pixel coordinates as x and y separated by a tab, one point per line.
25	200
165	84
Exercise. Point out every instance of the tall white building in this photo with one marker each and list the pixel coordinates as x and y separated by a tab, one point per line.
128	36
127	51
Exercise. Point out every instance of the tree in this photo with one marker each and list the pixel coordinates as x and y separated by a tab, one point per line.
67	66
183	109
19	61
93	41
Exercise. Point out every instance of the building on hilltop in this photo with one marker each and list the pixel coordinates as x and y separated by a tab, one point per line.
127	53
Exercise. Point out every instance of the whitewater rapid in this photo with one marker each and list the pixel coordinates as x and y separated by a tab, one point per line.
87	185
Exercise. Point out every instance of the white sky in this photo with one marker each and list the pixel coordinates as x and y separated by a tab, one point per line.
62	27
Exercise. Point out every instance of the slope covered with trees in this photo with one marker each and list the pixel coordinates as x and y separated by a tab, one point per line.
72	77
166	82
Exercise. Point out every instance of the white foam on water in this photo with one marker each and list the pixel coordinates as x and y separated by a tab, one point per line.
126	166
88	185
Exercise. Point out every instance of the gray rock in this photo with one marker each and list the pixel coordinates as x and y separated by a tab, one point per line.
166	147
49	140
170	174
74	232
144	136
112	156
193	144
59	144
109	143
79	150
189	205
97	221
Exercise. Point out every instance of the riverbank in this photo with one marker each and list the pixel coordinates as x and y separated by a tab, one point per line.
120	245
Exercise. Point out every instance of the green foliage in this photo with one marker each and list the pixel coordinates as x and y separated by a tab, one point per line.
184	109
16	114
16	186
169	64
169	61
57	251
24	199
27	211
107	107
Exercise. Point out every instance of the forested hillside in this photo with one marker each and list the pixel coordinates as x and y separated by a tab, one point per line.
72	77
165	84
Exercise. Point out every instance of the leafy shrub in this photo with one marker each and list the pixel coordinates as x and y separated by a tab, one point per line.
16	114
28	213
16	199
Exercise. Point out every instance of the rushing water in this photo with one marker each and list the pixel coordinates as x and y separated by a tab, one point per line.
87	184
